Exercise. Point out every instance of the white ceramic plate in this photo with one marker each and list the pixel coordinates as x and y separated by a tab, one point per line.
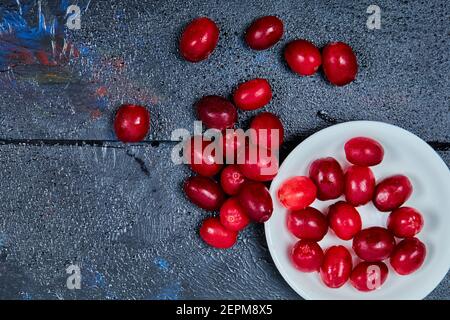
406	154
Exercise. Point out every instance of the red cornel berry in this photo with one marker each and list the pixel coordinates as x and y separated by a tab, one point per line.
233	216
369	276
339	63
336	266
216	112
131	123
302	57
364	151
264	32
199	39
258	164
408	256
328	176
216	235
307	224
373	244
307	256
204	192
201	156
297	193
392	192
265	125
255	199
253	94
232	179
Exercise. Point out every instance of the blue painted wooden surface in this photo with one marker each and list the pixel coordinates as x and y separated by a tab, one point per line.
70	194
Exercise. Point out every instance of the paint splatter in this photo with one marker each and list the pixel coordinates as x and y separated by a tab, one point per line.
24	42
162	264
26	295
170	292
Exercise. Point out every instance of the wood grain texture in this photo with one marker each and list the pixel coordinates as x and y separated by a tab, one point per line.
71	194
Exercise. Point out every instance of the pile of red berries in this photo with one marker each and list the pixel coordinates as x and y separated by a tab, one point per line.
244	182
328	181
252	202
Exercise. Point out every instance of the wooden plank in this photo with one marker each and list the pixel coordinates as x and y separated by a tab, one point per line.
129	54
119	213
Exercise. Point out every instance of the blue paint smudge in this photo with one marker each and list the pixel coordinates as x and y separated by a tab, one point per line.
26	296
84	51
100	279
102	103
24	42
93	278
162	264
170	292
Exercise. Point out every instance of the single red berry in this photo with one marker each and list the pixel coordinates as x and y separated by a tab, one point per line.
266	126
405	222
204	192
216	112
264	32
339	63
256	201
253	94
302	57
307	256
199	39
131	123
216	235
232	179
233	216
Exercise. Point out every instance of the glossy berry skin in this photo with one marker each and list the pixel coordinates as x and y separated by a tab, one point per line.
232	180
199	39
253	94
392	192
373	244
255	199
328	177
233	141
265	125
307	256
344	220
216	112
204	192
339	63
259	164
369	276
200	159
408	256
216	235
307	224
359	185
364	151
131	123
405	222
233	216
264	32
336	266
297	193
302	57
